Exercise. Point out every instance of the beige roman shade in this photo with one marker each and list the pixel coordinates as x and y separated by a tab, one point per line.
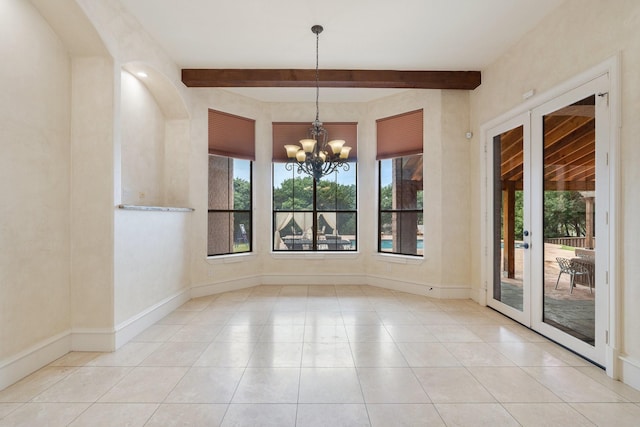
400	135
291	133
231	136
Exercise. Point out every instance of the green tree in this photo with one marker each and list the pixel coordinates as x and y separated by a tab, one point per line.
564	214
241	194
386	197
294	194
519	215
386	200
333	196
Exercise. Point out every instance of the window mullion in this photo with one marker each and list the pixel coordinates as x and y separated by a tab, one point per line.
314	219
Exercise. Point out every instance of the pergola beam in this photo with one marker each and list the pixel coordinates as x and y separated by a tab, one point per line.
463	80
509	221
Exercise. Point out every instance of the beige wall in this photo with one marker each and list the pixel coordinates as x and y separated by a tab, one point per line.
72	266
76	263
577	36
34	180
216	274
92	190
151	260
151	253
446	212
446	196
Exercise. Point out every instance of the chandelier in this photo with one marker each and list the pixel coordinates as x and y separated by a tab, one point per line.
315	156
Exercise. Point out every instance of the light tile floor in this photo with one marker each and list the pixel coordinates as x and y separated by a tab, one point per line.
324	356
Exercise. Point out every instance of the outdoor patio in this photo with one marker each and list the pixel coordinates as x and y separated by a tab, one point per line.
573	312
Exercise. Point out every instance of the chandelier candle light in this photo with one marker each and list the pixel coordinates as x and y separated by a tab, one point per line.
315	156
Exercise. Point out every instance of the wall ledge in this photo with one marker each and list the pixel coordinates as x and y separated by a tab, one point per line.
155	208
398	258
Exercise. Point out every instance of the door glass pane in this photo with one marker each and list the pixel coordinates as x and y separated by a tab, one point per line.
508	248
569	217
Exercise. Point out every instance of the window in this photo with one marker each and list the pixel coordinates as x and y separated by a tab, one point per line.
231	152
309	215
400	189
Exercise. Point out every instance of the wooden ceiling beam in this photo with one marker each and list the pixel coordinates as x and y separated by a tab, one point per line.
572	151
569	186
557	128
589	184
463	80
514	175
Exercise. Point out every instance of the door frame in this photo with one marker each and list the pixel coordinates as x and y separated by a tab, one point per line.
524	120
598	86
610	67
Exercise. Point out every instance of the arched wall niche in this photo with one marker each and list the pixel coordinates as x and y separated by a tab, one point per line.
154	151
163	90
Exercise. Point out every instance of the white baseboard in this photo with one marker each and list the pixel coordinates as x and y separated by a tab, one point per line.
206	289
430	290
313	279
479	295
630	371
30	360
131	327
92	340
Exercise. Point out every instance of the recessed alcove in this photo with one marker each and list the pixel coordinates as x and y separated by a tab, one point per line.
154	139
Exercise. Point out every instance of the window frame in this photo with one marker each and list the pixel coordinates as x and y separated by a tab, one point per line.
231	212
398	137
315	213
381	211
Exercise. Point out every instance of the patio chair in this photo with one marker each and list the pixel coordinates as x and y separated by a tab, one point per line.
573	269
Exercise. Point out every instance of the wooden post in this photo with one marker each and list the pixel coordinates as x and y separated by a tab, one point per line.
589	232
405	225
508	231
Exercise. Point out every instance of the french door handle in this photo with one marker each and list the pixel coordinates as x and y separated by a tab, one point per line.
526	246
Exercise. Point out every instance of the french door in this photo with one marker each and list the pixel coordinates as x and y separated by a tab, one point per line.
549	191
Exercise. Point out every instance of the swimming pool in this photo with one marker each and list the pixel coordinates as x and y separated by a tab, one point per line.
388	244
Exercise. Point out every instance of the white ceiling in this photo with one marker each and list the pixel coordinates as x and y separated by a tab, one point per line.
358	34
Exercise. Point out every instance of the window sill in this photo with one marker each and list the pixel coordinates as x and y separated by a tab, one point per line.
315	255
231	258
399	259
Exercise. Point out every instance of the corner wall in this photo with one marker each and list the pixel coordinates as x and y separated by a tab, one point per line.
440	273
91	291
575	37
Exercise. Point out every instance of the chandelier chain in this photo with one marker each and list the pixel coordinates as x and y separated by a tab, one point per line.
317	157
317	78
